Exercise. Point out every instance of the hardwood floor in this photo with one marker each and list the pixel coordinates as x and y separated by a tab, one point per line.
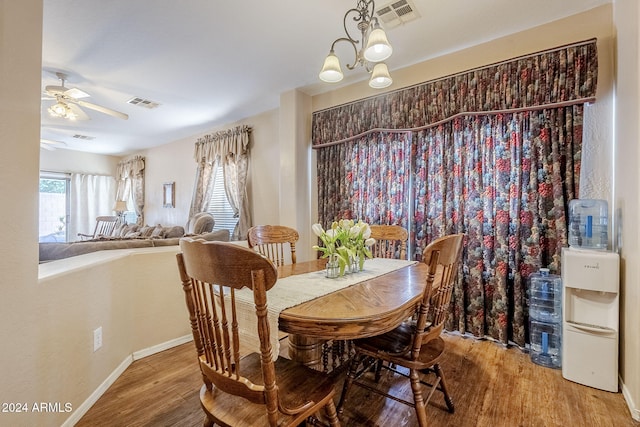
491	386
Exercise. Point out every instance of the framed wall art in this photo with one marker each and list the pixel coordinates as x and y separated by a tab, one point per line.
169	195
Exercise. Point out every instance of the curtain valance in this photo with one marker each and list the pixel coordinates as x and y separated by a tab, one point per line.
130	168
564	75
233	141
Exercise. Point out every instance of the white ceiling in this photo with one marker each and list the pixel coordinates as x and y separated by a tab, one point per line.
210	63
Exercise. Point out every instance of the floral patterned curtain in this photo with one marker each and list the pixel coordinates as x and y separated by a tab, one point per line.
564	75
371	183
505	181
493	153
130	179
229	149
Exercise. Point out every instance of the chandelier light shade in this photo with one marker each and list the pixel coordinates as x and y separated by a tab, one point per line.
331	72
370	49
378	47
380	77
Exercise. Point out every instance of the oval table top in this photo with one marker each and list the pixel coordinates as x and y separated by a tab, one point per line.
365	309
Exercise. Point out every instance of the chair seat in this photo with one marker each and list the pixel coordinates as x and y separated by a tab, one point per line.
297	385
394	347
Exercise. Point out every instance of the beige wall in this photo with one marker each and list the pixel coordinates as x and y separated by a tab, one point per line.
627	191
23	379
134	296
46	327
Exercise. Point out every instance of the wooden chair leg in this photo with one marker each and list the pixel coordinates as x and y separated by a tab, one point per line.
351	375
418	399
378	374
332	414
443	385
207	422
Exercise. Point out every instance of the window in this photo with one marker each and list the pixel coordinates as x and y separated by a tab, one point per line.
54	208
219	206
130	216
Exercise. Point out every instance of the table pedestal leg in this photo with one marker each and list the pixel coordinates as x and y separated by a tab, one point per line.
306	350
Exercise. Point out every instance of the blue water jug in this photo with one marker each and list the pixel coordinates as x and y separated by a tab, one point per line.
545	318
545	297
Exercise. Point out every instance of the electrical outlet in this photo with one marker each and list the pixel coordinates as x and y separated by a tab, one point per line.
97	338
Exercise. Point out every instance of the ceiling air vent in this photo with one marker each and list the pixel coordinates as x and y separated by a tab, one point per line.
145	103
84	137
397	13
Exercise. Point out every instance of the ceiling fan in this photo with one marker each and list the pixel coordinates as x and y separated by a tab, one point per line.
69	101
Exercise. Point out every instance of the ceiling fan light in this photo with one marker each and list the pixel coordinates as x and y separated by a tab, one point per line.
58	110
378	47
331	72
380	77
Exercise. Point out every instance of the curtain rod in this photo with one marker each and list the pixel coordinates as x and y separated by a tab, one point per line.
45	171
470	70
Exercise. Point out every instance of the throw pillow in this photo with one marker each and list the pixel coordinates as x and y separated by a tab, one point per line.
146	231
129	228
158	232
118	231
172	232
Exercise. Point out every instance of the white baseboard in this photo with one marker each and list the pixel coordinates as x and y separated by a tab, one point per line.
137	355
635	411
102	388
93	398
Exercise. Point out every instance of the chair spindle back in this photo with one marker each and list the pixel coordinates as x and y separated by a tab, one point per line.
211	272
442	256
270	241
391	241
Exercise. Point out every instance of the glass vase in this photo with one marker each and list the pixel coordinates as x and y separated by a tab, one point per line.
355	264
333	268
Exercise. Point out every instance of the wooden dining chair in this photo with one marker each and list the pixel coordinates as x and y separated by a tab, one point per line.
391	241
104	227
251	390
271	240
415	346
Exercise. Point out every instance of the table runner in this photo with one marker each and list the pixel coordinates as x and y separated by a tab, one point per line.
296	289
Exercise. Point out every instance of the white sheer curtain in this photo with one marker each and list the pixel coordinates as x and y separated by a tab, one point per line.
230	149
90	196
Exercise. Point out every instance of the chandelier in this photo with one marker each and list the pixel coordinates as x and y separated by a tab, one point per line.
374	48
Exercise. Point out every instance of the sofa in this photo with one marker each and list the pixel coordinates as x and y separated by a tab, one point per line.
129	236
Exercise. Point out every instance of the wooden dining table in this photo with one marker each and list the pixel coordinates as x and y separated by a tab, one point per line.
370	307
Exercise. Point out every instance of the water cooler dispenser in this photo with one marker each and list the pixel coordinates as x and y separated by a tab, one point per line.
590	309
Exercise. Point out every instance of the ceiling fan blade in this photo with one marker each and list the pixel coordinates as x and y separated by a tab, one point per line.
76	93
80	115
51	145
55	90
73	92
104	110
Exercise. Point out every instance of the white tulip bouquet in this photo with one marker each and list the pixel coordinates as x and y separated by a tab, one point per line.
345	242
